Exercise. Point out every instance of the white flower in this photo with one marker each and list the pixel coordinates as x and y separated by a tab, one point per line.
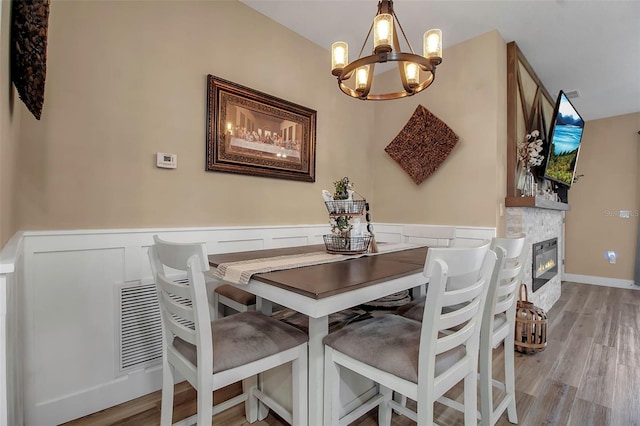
529	150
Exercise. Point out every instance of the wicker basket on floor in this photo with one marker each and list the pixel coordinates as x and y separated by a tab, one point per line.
531	325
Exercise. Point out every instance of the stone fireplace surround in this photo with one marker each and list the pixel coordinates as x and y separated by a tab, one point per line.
538	224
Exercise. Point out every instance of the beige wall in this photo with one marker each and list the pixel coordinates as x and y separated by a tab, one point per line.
469	94
128	79
9	131
610	161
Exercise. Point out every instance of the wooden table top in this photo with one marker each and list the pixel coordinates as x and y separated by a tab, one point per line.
320	281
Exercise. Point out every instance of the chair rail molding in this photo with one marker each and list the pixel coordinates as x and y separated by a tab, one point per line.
66	309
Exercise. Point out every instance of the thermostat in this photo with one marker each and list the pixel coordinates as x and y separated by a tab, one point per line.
166	161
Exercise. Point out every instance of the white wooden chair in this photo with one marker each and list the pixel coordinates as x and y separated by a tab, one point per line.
414	358
498	326
211	355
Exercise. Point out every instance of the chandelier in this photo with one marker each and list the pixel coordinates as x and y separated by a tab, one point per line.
386	47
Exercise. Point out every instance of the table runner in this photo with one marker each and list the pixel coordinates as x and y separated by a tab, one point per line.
240	272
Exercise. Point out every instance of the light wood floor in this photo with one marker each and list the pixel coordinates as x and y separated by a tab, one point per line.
588	375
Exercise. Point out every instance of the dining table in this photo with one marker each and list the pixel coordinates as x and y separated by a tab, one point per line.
318	290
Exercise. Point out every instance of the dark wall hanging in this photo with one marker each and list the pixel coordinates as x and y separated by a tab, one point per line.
422	144
29	51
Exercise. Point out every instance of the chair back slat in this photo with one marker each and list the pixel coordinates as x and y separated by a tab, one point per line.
457	338
459	316
463	295
176	289
177	308
179	329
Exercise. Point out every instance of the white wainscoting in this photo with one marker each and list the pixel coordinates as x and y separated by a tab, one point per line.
68	314
11	270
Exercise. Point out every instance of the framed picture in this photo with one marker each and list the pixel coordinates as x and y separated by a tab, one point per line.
253	133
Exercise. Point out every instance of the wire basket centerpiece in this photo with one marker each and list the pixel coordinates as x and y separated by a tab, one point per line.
348	235
340	207
346	245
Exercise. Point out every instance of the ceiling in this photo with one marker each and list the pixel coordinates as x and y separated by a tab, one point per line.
590	46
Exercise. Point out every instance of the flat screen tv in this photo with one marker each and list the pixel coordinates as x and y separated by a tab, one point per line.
565	135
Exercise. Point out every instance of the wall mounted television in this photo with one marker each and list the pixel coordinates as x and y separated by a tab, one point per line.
565	136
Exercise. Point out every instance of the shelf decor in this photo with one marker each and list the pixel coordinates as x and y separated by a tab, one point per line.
347	233
422	145
529	156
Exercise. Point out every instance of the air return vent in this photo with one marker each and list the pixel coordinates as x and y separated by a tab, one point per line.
139	328
572	94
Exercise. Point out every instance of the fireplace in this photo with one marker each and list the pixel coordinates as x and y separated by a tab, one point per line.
545	262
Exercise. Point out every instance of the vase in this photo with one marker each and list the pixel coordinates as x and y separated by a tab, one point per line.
528	187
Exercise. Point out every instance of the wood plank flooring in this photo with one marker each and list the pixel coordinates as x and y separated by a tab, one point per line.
588	375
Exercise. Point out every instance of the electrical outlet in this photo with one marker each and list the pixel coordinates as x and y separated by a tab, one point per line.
611	255
625	214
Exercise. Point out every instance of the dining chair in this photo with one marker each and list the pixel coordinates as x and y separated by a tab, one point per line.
213	354
498	326
234	298
412	358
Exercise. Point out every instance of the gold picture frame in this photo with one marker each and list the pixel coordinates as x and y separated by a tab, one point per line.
253	133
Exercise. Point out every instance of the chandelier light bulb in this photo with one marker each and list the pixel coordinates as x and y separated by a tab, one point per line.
433	44
339	56
362	76
382	32
411	73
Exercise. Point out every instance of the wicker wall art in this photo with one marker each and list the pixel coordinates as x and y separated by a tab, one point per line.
30	20
422	145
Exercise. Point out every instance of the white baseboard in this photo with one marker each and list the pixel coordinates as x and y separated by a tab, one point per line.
602	281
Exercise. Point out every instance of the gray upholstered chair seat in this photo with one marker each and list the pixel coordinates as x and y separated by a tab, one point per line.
389	343
236	294
243	338
412	310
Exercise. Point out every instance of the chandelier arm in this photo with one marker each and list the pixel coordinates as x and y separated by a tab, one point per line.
365	40
403	33
401	64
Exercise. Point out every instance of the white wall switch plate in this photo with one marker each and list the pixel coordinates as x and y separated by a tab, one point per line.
166	161
625	214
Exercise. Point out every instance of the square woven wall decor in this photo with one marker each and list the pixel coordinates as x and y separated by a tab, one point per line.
422	145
